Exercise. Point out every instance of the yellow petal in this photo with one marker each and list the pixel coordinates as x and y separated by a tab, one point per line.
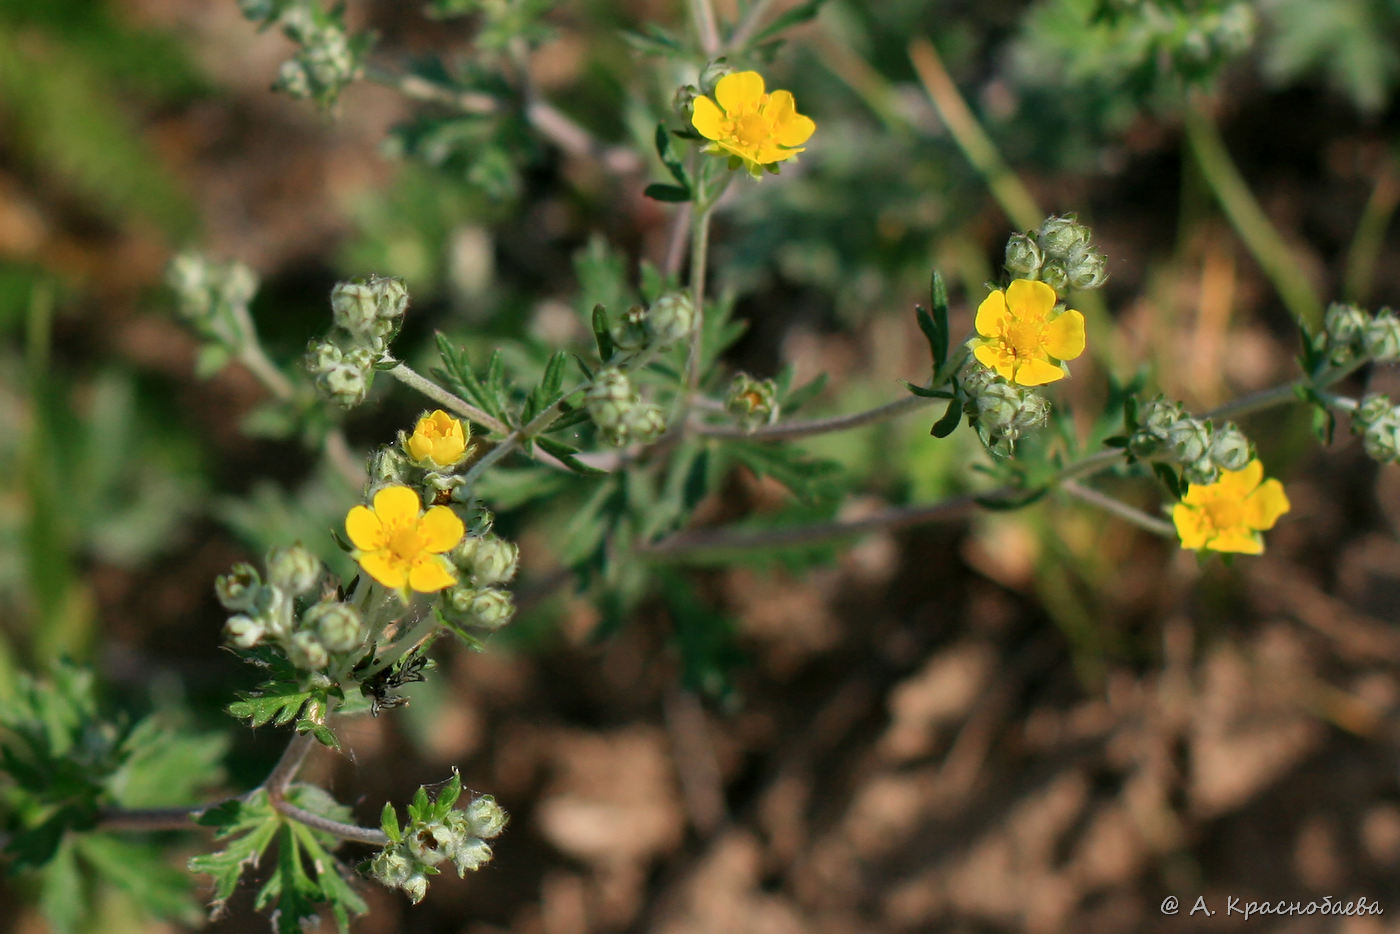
1263	507
707	119
385	568
396	505
419	446
1034	372
790	128
740	91
990	314
440	529
1064	337
365	530
429	574
1029	299
1237	541
987	355
1189	526
1237	484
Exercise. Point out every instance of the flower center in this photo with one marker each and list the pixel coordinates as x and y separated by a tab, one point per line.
405	543
1224	514
750	130
1023	337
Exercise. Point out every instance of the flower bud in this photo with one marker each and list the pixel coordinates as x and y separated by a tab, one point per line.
355	306
972	379
391	297
337	625
1202	472
489	560
238	284
244	632
321	357
293	80
346	386
293	569
305	651
630	332
671	317
997	406
438	440
470	854
1033	413
1381	440
484	608
429	843
1059	235
683	102
387	466
1230	449
1373	407
416	887
1189	440
1345	324
485	817
1087	269
391	866
645	422
477	518
711	73
1023	257
238	589
1054	274
1158	416
609	401
1382	337
753	401
188	277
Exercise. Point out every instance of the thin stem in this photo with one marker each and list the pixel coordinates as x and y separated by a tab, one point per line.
699	257
1117	507
282	774
1260	236
1370	233
414	380
749	24
1013	196
510	442
547	120
149	819
706	30
371	836
787	431
677	236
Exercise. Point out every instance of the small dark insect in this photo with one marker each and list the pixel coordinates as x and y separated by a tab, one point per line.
383	687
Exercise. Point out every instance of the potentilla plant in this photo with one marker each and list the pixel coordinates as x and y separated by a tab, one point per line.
647	423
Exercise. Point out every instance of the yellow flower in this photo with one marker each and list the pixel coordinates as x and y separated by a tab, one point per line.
1021	339
401	547
438	440
1229	514
750	125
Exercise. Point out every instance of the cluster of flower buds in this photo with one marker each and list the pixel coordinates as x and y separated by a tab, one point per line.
1167	431
1351	333
619	412
1002	412
213	297
1377	420
479	601
367	315
329	58
458	836
267	611
1061	254
668	320
753	401
1198	38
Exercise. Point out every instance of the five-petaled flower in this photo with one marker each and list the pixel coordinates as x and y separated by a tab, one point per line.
751	126
1022	339
400	546
1229	514
438	440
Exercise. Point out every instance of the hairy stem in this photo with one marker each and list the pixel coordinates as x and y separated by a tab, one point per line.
1260	236
415	380
1117	507
749	24
370	835
706	30
787	431
283	773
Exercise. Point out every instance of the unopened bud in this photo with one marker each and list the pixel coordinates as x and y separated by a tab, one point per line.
485	817
306	652
1382	337
483	608
683	102
244	632
671	317
238	589
391	866
1059	235
292	79
337	625
416	887
488	559
293	569
470	854
1230	449
1189	440
1054	274
1087	269
630	331
1372	408
645	422
753	401
355	306
1345	324
1202	472
1023	257
711	73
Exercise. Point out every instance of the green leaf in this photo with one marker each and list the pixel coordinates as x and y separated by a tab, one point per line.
249	826
565	453
1170	479
948	423
669	193
670	159
655	41
62	897
808	479
797	398
927	393
796	16
602	333
389	823
1011	502
277	702
141	871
